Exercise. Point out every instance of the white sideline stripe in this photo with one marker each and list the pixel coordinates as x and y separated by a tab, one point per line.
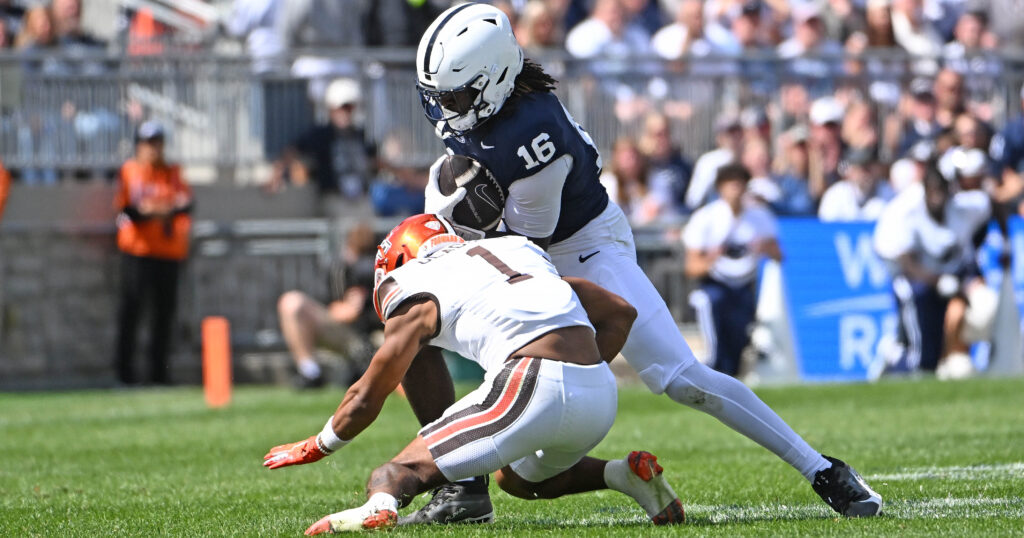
973	472
933	508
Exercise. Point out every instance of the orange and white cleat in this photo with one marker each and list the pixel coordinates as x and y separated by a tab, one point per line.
640	477
356	519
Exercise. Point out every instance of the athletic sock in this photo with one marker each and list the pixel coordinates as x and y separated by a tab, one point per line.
733	403
382	501
308	368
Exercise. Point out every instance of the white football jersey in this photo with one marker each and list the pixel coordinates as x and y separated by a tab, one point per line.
494	296
906	228
714	226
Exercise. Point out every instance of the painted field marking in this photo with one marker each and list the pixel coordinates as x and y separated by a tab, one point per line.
971	472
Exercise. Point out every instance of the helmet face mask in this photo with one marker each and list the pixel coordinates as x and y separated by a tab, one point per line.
461	108
466	66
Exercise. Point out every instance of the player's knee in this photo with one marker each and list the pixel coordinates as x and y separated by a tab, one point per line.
693	387
292	304
514	485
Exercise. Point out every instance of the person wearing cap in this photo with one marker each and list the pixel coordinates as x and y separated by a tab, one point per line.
859	195
919	121
930	239
791	175
153	224
335	155
809	39
826	144
725	241
729	136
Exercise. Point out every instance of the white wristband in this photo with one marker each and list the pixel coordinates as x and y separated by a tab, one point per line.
328	441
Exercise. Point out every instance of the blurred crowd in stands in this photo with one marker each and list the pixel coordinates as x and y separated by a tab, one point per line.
813	144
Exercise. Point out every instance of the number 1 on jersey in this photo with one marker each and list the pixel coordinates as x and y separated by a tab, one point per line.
489	257
543	151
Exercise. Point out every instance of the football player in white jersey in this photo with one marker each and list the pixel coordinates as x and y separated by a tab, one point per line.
547	399
725	241
931	240
488	102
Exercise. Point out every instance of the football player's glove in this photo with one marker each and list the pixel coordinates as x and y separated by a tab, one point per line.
300	453
434	201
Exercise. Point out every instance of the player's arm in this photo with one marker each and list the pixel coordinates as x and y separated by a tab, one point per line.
611	315
534	202
428	385
698	262
410	326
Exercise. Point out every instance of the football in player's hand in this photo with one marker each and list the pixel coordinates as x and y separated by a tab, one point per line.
484	202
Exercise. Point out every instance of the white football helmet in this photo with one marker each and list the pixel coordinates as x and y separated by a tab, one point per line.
466	65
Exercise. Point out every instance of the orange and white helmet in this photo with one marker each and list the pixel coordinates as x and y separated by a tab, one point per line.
416	236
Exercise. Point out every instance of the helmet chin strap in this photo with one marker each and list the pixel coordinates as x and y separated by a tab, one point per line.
464	122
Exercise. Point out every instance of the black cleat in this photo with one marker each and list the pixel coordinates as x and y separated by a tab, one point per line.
467	502
845	491
302	382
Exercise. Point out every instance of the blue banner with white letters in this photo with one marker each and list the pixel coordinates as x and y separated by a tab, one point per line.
840	299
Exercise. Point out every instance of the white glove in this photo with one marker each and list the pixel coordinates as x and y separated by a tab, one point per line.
948	285
435	202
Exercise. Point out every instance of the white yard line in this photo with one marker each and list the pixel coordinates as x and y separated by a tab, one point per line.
973	472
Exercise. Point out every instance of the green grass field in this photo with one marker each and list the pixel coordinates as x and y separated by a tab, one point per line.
947	457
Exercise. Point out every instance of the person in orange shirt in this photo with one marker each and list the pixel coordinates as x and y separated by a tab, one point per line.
153	236
5	187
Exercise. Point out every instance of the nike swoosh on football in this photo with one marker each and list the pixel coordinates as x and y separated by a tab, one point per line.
588	256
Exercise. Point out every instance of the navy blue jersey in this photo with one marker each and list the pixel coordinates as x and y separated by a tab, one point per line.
1007	149
531	131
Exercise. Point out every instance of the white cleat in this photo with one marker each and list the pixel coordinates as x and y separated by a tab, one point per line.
640	477
356	519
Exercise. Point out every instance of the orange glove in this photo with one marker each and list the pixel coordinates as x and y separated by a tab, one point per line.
294	454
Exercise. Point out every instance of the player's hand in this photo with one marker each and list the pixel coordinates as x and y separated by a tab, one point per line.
435	202
293	454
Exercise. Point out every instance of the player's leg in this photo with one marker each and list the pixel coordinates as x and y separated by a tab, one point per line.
129	308
165	299
390	487
663	360
301	316
922	313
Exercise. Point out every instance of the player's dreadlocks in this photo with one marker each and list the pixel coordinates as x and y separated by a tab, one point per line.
533	79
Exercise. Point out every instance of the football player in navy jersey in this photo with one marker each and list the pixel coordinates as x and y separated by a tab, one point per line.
490	103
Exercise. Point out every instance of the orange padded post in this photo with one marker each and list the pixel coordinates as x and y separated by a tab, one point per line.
216	361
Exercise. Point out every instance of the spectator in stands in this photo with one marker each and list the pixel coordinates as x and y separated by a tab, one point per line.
825	143
153	235
1006	19
729	136
809	39
37	31
843	18
971	38
969	135
644	14
685	36
5	33
1007	150
725	241
538	29
912	31
670	171
67	23
398	188
859	126
627	181
909	170
254	21
5	188
335	155
322	24
878	24
930	240
859	195
918	114
791	167
11	14
755	123
607	34
343	325
950	97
